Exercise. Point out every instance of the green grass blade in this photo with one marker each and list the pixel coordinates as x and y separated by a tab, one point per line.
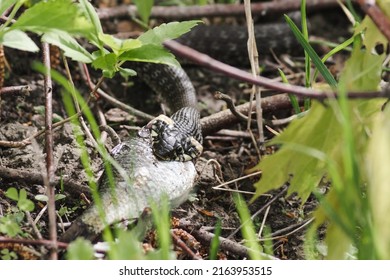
312	54
215	241
248	230
293	98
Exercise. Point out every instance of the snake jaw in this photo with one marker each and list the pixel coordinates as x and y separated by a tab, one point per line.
170	143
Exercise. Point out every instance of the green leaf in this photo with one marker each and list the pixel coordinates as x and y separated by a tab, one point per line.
12	193
144	8
311	52
92	17
9	227
119	46
42	197
5	4
80	249
107	63
59	196
26	205
150	53
68	44
303	157
17	39
125	72
54	14
167	31
22	194
377	165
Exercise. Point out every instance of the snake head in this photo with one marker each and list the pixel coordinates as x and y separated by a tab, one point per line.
169	142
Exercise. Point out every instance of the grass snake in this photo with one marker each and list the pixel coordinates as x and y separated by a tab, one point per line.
150	177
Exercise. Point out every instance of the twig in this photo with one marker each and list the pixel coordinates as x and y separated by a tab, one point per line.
208	62
34	177
77	105
49	151
254	61
229	102
184	246
226	244
235	180
15	89
44	242
190	12
279	234
263	221
377	16
217	121
111	132
33	225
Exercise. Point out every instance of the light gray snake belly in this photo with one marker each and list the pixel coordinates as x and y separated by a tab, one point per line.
142	175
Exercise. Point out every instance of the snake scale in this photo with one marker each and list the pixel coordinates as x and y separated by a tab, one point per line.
147	176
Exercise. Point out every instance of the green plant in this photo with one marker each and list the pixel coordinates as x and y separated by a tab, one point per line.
335	140
6	254
20	197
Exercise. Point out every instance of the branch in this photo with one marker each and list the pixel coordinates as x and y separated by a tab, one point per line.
215	65
49	147
377	16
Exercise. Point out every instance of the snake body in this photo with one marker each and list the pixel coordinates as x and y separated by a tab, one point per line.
147	177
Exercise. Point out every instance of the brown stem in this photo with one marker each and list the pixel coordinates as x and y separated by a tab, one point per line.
48	87
215	65
377	16
223	119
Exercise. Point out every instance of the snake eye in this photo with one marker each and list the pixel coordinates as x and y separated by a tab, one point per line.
179	150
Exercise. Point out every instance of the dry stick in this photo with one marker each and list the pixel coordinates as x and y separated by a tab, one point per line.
44	242
217	121
49	151
254	61
77	105
184	246
213	64
230	104
191	12
15	89
226	244
296	227
377	16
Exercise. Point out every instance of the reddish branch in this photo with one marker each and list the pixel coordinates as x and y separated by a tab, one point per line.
377	16
215	65
192	12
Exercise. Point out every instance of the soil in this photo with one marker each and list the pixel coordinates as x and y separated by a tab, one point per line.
21	117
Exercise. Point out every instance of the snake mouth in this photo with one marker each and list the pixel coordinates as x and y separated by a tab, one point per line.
171	143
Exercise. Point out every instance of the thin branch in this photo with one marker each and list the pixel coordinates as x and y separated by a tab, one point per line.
48	87
33	177
15	89
230	104
223	119
208	62
254	62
